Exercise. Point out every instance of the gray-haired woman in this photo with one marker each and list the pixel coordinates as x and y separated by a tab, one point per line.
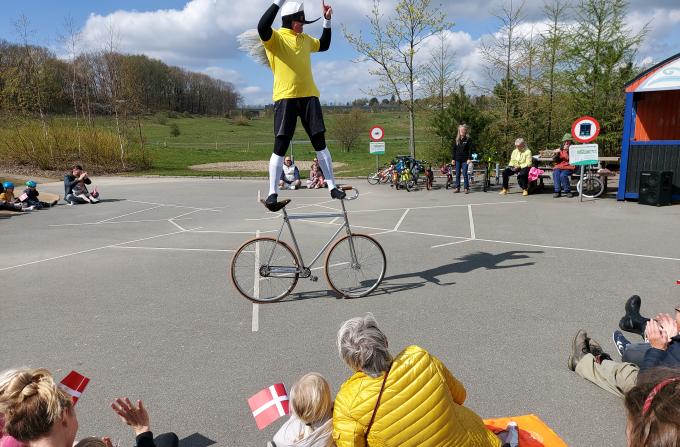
408	400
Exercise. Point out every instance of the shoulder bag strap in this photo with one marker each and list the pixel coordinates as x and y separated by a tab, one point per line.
377	404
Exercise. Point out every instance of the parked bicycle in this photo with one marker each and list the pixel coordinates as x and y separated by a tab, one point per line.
382	175
591	183
267	269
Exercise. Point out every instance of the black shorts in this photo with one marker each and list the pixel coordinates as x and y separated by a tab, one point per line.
286	112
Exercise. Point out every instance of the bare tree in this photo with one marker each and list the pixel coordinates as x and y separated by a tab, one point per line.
503	58
71	41
393	45
440	75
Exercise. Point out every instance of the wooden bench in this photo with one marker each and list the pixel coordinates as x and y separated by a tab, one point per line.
545	157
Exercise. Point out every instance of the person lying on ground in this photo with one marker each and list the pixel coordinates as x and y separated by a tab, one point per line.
408	400
31	194
311	422
636	323
589	361
9	202
41	414
290	175
652	410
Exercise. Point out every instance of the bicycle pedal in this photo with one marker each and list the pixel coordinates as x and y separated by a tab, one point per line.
314	278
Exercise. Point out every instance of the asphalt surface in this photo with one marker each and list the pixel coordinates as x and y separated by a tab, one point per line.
134	293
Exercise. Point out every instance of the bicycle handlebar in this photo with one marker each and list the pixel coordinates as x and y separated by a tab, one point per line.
350	188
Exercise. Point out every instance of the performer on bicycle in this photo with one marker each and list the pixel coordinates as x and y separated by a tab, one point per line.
295	94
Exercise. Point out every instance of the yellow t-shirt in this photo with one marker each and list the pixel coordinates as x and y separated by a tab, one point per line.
290	61
6	196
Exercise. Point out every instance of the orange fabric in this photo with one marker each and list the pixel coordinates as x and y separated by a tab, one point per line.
658	116
533	432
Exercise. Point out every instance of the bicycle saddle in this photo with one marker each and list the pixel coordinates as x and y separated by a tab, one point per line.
278	206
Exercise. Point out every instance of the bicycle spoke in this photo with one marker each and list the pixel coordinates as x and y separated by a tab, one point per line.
355	279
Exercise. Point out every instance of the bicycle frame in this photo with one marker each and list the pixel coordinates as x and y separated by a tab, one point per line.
305	270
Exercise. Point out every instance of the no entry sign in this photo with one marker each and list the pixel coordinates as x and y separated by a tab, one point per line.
585	129
377	133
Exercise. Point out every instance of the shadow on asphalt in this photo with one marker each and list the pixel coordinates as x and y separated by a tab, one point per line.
196	440
465	264
468	263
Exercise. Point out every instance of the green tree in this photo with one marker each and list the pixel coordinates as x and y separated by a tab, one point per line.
393	46
348	127
601	53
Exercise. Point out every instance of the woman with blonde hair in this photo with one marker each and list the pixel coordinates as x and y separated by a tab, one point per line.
409	400
461	156
311	423
39	413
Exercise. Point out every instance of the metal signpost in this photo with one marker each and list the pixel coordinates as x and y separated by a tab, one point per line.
584	130
376	146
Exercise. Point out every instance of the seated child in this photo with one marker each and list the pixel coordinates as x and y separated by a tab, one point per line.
30	197
315	178
9	202
311	420
81	192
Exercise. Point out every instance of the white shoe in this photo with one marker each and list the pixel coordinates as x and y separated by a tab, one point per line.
93	200
293	186
29	208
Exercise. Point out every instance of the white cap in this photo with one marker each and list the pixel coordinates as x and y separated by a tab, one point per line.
292	8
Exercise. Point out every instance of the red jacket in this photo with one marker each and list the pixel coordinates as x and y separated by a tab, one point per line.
562	161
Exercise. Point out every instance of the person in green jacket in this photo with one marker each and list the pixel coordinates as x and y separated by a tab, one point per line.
520	163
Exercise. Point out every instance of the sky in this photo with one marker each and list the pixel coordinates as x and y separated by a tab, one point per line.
200	35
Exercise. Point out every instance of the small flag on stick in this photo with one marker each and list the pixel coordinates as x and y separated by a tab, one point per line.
74	384
23	197
269	404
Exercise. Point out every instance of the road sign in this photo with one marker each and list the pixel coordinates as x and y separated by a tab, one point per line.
585	129
377	133
583	154
377	148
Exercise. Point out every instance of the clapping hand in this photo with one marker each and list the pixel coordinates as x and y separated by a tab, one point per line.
669	325
656	335
135	416
327	10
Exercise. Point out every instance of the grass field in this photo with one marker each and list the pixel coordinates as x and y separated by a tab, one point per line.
212	140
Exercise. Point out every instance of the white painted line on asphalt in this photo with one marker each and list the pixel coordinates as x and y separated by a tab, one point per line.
435	207
258	196
175	249
130	214
472	223
588	250
230	232
451	243
172	221
431	234
88	251
255	323
177	206
114	223
381	232
403	216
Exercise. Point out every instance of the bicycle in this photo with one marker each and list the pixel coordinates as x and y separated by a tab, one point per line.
594	187
382	175
266	269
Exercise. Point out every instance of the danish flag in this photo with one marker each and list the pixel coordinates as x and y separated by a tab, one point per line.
269	404
74	384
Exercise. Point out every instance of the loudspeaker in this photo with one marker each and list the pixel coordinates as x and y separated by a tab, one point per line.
656	188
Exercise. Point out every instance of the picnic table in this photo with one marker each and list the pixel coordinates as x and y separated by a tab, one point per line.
602	172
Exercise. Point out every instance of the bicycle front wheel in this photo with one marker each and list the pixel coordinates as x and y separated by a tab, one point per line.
355	276
592	187
373	178
264	270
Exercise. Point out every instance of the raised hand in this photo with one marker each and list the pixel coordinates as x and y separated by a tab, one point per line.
327	10
135	416
669	325
656	336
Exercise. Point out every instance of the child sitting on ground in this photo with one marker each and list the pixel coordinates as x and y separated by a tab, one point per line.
30	197
81	192
311	420
315	178
9	202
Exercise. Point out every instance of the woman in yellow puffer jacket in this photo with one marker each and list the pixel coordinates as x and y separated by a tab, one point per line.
421	403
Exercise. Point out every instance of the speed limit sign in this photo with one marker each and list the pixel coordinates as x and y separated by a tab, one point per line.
377	133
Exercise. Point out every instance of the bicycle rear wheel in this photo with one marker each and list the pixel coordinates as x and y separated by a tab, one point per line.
355	279
593	187
264	270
